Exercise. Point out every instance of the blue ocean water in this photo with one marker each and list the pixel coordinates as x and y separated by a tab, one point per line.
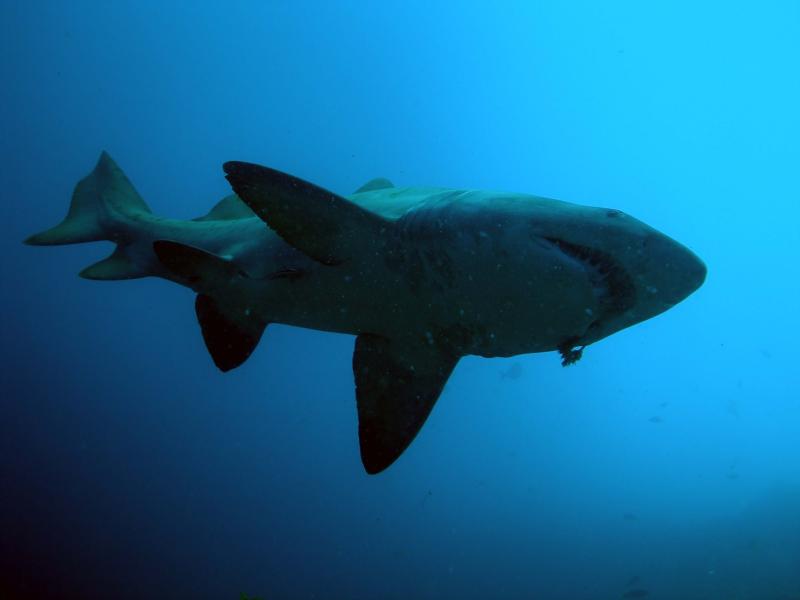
665	465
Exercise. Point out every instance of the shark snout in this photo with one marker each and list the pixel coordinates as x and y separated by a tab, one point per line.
696	271
679	271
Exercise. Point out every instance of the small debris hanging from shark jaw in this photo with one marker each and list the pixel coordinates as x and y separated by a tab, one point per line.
570	353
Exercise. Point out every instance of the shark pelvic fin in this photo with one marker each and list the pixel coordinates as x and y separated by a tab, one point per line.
396	387
379	183
324	226
231	332
230	339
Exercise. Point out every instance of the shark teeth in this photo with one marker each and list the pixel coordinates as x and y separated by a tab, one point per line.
613	287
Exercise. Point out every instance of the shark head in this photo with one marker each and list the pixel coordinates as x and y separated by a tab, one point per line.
635	271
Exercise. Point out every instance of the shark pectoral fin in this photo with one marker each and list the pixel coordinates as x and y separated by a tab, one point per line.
379	183
115	267
324	226
396	388
230	341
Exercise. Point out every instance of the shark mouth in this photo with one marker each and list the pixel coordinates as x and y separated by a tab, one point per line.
612	286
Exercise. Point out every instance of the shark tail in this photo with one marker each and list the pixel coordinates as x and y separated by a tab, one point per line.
102	203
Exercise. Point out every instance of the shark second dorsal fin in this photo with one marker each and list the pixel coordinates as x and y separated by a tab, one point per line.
229	208
323	225
397	385
379	183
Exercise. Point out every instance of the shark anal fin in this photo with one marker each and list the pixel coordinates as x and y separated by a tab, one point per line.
379	183
230	342
396	388
322	225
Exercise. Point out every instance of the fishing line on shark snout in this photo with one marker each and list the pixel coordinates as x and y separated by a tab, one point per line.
421	276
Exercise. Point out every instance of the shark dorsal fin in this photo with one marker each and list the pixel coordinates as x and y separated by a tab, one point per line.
229	208
322	225
379	183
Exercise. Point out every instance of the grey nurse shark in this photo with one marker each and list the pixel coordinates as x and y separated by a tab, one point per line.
422	276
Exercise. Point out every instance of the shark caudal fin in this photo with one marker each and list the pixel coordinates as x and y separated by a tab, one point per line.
101	202
231	331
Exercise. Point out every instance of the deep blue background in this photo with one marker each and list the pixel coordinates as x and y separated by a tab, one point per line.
131	468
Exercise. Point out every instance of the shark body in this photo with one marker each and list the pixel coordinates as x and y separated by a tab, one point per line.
422	276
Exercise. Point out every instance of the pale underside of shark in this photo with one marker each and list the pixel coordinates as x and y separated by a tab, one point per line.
422	276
